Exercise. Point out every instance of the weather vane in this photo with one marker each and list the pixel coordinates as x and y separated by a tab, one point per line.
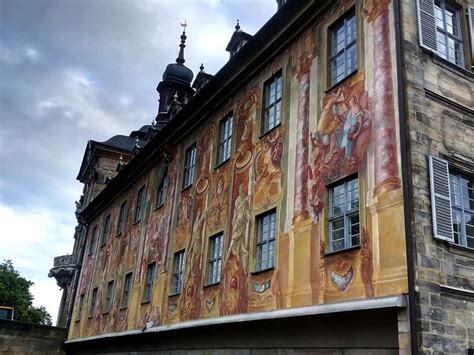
184	25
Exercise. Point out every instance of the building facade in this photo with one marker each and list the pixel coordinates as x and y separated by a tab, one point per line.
286	204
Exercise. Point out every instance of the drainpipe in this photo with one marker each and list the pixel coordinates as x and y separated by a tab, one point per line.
406	176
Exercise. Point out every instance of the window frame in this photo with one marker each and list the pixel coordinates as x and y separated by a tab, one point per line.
189	166
109	296
122	217
93	305
276	78
345	216
332	29
93	240
225	138
178	270
269	243
445	6
106	231
126	290
162	189
214	260
149	282
140	204
461	239
80	308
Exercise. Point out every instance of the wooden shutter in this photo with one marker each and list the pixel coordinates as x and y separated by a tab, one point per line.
441	199
471	26
427	24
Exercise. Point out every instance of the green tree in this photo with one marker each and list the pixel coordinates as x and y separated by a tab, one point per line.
15	292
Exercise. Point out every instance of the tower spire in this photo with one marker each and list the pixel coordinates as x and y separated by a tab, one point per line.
180	59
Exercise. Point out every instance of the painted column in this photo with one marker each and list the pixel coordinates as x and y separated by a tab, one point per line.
385	147
302	136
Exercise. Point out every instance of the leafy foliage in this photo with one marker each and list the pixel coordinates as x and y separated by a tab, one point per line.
15	292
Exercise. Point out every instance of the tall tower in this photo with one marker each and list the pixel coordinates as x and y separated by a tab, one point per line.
175	86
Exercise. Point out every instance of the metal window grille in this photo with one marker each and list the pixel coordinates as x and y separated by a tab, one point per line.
343	39
225	138
215	258
266	235
272	102
344	229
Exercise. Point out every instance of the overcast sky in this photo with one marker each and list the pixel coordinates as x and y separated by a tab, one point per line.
71	71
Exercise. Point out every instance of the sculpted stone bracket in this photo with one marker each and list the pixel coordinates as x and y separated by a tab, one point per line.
64	269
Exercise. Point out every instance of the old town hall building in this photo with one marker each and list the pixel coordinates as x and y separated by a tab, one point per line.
316	195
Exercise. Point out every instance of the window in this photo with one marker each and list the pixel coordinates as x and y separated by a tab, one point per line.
150	279
122	218
106	231
343	44
178	271
225	138
441	26
272	103
462	206
81	306
93	240
109	297
161	193
448	32
452	204
344	215
266	234
189	163
140	204
215	259
127	288
93	302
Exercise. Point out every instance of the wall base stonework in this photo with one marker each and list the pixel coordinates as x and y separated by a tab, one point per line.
20	338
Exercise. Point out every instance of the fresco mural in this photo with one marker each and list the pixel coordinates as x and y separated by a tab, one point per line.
325	135
340	142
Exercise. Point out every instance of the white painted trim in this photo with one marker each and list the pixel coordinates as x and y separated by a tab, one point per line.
398	301
464	291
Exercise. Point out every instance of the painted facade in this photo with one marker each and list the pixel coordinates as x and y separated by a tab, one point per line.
377	126
325	136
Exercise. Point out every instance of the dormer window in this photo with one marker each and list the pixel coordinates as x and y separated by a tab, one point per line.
238	40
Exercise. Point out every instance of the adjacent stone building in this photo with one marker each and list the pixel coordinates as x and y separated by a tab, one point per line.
315	195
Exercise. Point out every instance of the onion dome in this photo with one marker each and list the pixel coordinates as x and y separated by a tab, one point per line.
178	72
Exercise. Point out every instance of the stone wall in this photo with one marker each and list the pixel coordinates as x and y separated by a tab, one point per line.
440	119
26	338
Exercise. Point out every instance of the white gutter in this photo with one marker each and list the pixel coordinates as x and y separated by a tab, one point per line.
398	301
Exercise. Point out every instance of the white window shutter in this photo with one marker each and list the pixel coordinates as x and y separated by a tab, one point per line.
471	27
427	24
441	199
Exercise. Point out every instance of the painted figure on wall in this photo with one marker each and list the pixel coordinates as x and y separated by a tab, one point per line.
236	259
267	170
341	140
190	301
